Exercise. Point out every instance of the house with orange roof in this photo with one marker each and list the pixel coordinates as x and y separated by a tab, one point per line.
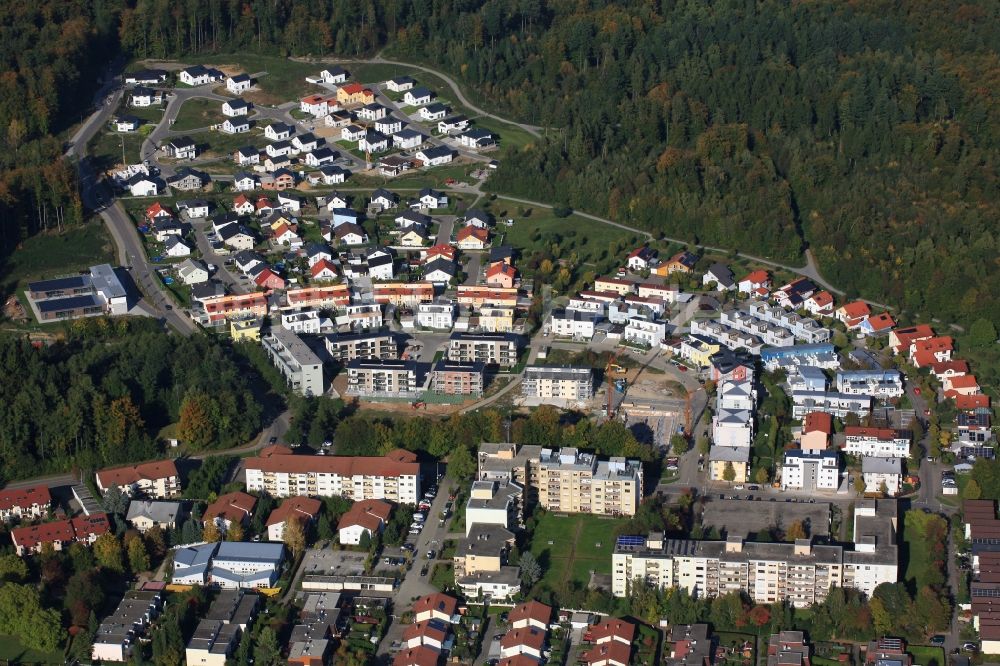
901	339
953	368
437	606
417	656
879	324
158	211
608	654
440	250
365	518
682	262
501	275
928	351
852	314
518	660
158	479
324	269
472	238
972	403
430	633
961	385
819	304
611	630
235	507
304	509
816	430
243	206
754	281
269	280
60	533
530	614
528	641
25	503
354	93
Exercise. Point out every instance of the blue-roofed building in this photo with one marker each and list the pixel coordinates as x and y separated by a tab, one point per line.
229	564
191	564
807	378
820	355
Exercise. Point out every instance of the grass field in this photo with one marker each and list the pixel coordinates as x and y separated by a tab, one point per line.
284	80
50	254
435	177
106	148
510	135
926	655
197	113
12	652
373	73
569	547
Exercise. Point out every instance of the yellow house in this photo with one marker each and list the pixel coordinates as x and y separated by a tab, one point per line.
737	456
413	238
699	349
496	320
617	285
354	93
246	329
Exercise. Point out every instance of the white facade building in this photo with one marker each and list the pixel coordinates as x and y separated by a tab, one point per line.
810	470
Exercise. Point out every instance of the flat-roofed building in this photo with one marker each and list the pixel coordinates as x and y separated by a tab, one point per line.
439	316
118	634
810	470
557	383
492	349
303	370
458	378
494	503
874	383
378	378
571	481
884	442
348	347
217	634
394	477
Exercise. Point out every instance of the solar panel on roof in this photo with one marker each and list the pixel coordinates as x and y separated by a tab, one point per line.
631	540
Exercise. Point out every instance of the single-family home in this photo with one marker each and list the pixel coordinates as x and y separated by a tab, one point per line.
235	107
324	269
317	105
334	200
400	84
141	185
501	275
269	280
432	199
278	148
353	133
433	112
754	281
408	139
354	93
453	124
435	155
344	216
372	112
181	148
373	142
338	119
477	138
245	182
247	260
882	474
242	205
388	125
305	142
289	202
128	123
198	75
720	275
175	247
143	97
143	515
235	507
194	208
239	84
410	218
682	262
157	211
363	521
819	304
415	236
879	324
335	74
418	96
332	175
235	125
246	155
320	156
237	236
436	606
285	235
641	258
381	264
384	199
188	180
350	234
852	314
278	131
299	508
393	165
192	271
472	238
478	218
439	270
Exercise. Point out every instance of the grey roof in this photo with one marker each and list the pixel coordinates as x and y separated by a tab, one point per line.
70	282
730	453
440	264
250	552
192	556
437	151
878	465
106	281
159	512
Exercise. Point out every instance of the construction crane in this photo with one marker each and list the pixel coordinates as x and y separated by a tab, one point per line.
687	414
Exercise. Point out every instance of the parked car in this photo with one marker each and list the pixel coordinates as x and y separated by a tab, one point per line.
937	640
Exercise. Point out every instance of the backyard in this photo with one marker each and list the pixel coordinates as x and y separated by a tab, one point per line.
12	652
47	255
570	547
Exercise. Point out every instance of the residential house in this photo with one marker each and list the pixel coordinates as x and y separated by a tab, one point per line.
320	157
819	304
372	112
303	509
353	133
373	142
876	442
192	271
194	208
363	521
682	262
181	148
324	269
350	234
472	238
244	182
436	606
278	131
236	236
721	276
230	508
235	107
198	75
501	275
477	138
145	97
187	180
641	258
60	533
439	271
128	123
384	199
852	314
25	503
332	175
433	112
335	74
239	84
882	475
268	280
174	247
431	199
305	142
146	77
354	93
755	281
400	84
418	96
415	236
435	155
410	218
248	155
158	479
388	125
453	125
144	515
235	125
407	139
242	205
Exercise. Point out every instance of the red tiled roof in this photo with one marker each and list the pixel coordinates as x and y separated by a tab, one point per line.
240	200
519	660
442	250
499	268
956	366
353	88
429	628
938	344
25	497
121	476
822	299
342	465
971	401
531	610
370	514
63	531
877	433
295	507
856	310
613	628
757	277
529	637
818	421
421	655
323	265
275	450
480	234
905	336
158	208
963	381
614	652
234	507
881	322
437	602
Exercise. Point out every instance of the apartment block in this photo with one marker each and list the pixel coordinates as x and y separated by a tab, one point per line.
382	378
543	382
646	331
733	423
570	481
728	337
303	370
802	573
494	503
834	404
880	473
218	634
360	317
121	630
348	347
576	324
475	296
439	316
494	349
394	477
768	333
157	480
59	533
505	461
820	355
327	297
458	378
874	383
810	470
25	503
883	442
805	329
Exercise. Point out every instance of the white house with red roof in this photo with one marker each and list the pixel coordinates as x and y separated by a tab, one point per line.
754	281
158	479
324	269
641	258
429	633
235	507
25	503
879	324
852	314
60	533
528	641
901	339
364	517
530	614
438	606
242	205
820	304
962	385
305	509
158	211
931	350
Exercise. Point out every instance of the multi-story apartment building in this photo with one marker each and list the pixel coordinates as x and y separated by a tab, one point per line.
216	310
834	404
120	632
882	474
883	442
576	324
457	378
769	333
382	378
494	503
404	294
802	572
496	319
328	297
25	503
810	470
730	338
505	461
346	347
643	330
874	383
733	423
158	479
436	315
544	382
820	355
59	533
493	349
570	481
805	329
303	370
360	317
394	477
308	322
476	296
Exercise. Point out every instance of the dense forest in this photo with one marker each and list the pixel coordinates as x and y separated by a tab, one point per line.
101	396
866	131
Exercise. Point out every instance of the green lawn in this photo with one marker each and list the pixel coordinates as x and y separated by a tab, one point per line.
106	148
579	543
371	73
49	254
12	652
510	135
224	145
284	80
416	180
197	113
926	655
442	576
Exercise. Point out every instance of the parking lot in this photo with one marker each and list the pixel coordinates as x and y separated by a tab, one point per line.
325	561
742	518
